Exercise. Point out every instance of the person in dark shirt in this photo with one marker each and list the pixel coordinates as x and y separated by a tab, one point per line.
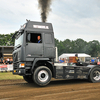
10	61
39	39
6	61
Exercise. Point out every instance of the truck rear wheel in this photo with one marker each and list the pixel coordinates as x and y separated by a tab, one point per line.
42	76
28	78
95	75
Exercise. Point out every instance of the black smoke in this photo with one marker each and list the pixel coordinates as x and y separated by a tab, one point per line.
44	6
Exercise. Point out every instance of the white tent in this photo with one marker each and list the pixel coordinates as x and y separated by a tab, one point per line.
81	56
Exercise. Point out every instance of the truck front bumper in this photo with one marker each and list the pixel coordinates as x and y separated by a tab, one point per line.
19	71
21	68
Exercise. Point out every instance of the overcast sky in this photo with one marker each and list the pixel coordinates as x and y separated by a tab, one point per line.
71	19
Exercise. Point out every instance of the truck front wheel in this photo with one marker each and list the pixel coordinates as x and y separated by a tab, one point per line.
28	78
95	75
42	76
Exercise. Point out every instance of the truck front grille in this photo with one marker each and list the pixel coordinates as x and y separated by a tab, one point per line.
15	66
15	57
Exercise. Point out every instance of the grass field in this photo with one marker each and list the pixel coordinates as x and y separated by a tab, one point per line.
9	76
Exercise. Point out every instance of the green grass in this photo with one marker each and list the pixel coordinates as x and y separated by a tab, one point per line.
9	76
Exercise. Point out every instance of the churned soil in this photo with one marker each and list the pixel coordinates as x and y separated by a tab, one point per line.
55	90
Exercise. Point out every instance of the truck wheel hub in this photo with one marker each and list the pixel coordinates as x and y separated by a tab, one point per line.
43	76
96	75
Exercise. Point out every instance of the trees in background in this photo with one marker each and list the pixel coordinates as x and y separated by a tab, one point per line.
78	46
67	46
6	39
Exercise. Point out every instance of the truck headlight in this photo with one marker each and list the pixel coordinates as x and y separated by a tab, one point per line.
22	65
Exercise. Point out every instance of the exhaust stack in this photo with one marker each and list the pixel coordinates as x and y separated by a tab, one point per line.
44	6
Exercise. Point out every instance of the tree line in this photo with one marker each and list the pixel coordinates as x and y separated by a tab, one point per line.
78	46
67	46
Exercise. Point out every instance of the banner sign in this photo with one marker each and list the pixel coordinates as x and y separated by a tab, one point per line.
6	67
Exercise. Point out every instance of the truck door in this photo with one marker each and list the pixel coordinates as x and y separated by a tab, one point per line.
49	47
34	47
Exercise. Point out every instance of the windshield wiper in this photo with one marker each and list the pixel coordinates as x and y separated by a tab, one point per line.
18	46
15	34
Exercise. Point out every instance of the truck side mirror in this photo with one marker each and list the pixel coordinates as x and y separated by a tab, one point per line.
29	37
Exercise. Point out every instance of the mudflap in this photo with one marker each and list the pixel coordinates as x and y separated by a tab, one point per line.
72	72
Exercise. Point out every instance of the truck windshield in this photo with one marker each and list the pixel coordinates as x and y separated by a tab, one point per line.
19	40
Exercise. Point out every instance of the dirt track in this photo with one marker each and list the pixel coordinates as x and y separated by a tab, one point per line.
56	90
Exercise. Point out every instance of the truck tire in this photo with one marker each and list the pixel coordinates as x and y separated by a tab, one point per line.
95	75
28	78
42	76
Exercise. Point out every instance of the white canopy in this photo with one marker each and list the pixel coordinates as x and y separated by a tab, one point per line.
66	55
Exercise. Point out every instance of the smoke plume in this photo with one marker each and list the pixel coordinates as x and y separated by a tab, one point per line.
44	6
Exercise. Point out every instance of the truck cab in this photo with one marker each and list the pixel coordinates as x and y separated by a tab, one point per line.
28	54
34	53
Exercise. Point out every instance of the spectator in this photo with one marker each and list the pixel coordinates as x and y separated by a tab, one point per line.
65	60
0	61
61	60
10	61
3	62
92	61
97	59
6	62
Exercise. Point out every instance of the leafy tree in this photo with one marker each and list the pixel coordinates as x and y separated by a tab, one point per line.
6	39
78	46
93	48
